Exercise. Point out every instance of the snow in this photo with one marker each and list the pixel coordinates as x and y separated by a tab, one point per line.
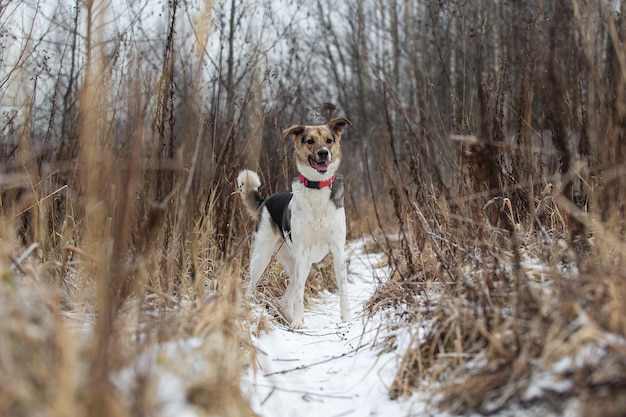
334	369
170	388
330	368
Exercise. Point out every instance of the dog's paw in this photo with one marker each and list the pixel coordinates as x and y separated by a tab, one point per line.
287	309
297	323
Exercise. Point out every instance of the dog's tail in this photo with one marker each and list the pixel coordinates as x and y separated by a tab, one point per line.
248	183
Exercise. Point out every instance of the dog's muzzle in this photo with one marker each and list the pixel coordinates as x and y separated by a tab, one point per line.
321	160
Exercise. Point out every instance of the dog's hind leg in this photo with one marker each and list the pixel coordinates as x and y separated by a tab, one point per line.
287	300
260	257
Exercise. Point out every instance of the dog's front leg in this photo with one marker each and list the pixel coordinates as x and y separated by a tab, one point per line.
301	273
339	263
286	302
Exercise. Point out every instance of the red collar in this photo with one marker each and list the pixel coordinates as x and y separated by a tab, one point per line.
317	184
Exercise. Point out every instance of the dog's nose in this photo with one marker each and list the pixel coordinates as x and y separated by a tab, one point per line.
323	154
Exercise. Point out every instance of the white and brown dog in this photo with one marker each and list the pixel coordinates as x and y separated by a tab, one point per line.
299	227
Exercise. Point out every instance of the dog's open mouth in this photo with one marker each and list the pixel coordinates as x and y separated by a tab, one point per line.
321	166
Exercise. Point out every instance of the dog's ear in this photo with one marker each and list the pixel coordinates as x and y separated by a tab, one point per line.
337	125
294	132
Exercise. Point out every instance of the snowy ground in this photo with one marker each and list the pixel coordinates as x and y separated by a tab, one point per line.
327	368
334	369
330	368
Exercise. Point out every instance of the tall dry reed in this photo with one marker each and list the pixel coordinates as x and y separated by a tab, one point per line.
512	265
115	245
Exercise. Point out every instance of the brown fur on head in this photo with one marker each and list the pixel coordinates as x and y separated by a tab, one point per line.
310	144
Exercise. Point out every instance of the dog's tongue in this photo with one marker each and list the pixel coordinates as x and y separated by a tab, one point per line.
319	166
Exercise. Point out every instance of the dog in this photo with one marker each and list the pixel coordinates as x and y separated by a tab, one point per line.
300	227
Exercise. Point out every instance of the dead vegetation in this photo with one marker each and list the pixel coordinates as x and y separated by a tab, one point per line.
119	275
489	138
123	246
513	265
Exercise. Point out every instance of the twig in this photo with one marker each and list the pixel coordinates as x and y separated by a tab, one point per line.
17	262
18	265
454	245
43	199
300	332
267	397
305	393
163	295
301	367
451	268
28	252
72	248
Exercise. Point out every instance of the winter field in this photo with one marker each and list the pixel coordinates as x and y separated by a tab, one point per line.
325	368
487	138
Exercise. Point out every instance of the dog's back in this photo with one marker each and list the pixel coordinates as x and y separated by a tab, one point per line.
277	204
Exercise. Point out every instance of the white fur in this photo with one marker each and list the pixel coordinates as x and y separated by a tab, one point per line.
248	181
317	227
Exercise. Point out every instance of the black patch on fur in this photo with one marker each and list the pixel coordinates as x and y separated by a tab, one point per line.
337	191
253	201
258	200
277	204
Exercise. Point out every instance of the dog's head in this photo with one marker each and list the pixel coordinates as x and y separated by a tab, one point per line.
317	148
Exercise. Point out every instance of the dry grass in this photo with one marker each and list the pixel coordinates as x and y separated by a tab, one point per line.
513	270
116	276
500	318
123	248
65	335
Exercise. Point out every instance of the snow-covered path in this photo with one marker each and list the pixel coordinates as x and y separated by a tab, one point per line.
328	368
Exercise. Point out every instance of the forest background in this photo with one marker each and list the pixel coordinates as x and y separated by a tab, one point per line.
486	135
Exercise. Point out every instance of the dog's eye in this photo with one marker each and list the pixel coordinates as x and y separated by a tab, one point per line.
329	140
310	141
